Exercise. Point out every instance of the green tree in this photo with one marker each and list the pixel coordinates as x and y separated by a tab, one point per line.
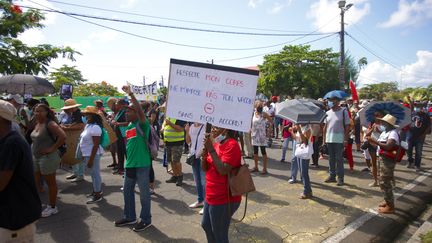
17	57
378	91
298	70
96	89
66	75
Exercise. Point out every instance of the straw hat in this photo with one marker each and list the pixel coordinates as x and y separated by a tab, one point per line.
90	110
7	110
111	101
17	98
69	104
389	119
98	101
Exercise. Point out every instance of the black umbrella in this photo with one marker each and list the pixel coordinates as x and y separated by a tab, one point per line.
300	111
25	84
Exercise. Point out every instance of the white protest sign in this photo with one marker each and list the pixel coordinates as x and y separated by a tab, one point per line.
146	92
220	95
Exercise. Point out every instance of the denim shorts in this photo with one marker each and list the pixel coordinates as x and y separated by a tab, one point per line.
47	164
174	153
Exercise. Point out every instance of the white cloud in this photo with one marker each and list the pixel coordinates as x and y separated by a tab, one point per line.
410	14
104	36
326	14
32	37
129	4
254	3
416	74
278	7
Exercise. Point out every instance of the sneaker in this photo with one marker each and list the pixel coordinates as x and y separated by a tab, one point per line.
330	180
410	165
112	165
373	184
152	192
94	199
292	181
48	211
173	179
282	161
365	170
141	226
417	168
78	179
340	183
124	222
196	205
90	195
201	212
70	177
179	180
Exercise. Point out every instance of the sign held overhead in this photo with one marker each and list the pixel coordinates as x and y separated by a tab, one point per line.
207	93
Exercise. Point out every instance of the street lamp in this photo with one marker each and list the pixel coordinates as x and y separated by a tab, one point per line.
343	9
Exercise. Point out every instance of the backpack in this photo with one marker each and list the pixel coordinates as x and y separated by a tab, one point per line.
152	142
62	149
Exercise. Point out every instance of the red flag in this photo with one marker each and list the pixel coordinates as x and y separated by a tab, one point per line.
353	90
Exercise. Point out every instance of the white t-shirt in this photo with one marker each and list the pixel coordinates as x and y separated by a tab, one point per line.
86	139
385	136
193	133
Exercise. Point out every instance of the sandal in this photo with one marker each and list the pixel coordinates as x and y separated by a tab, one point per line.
386	210
306	196
263	172
254	170
382	204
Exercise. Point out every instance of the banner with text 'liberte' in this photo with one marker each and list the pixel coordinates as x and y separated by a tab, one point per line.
206	93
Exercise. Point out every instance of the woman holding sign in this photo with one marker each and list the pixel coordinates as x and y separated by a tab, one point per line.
218	158
259	135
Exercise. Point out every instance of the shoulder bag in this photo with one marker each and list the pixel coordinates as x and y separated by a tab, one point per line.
192	157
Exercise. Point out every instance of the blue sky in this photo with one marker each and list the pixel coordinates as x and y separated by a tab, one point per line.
399	32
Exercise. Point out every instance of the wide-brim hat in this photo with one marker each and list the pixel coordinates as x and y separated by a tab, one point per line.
69	104
7	110
18	99
111	101
98	101
389	119
90	110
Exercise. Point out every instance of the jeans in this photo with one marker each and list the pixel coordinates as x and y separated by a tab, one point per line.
418	146
95	172
78	169
304	171
142	179
336	166
199	177
294	163
285	146
216	221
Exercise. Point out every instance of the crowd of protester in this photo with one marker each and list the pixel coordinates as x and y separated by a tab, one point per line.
33	137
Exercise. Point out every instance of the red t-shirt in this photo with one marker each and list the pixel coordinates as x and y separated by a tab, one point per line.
216	184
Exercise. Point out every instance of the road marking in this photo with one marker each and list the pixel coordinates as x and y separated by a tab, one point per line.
353	226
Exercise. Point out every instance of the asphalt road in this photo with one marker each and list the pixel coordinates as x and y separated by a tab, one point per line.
275	212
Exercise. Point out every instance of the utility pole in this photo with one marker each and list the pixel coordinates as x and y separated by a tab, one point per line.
343	9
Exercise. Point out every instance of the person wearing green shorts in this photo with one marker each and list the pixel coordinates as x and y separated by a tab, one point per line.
47	137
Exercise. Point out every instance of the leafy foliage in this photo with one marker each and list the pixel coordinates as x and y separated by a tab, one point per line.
66	75
17	57
96	89
298	70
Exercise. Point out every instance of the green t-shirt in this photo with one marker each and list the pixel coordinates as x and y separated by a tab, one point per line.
137	152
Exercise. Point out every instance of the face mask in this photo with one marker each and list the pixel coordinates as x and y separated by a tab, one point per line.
219	138
330	104
259	109
84	119
382	128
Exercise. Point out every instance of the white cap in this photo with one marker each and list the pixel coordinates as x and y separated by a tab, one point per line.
18	99
7	110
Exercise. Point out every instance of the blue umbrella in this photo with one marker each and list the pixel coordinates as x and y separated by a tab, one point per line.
400	112
336	94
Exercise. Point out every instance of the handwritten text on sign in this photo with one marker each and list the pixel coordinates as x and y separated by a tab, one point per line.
220	95
146	92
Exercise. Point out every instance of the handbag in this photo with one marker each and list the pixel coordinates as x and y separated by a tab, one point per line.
191	157
240	181
303	151
396	154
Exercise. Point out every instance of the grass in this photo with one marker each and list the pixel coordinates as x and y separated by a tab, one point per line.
426	238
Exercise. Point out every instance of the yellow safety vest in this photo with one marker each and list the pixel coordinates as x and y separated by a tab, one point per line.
171	135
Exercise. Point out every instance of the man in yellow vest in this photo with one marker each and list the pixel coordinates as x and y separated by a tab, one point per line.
173	131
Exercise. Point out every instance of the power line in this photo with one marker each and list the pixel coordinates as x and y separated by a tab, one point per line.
381	58
267	53
170	19
171	26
